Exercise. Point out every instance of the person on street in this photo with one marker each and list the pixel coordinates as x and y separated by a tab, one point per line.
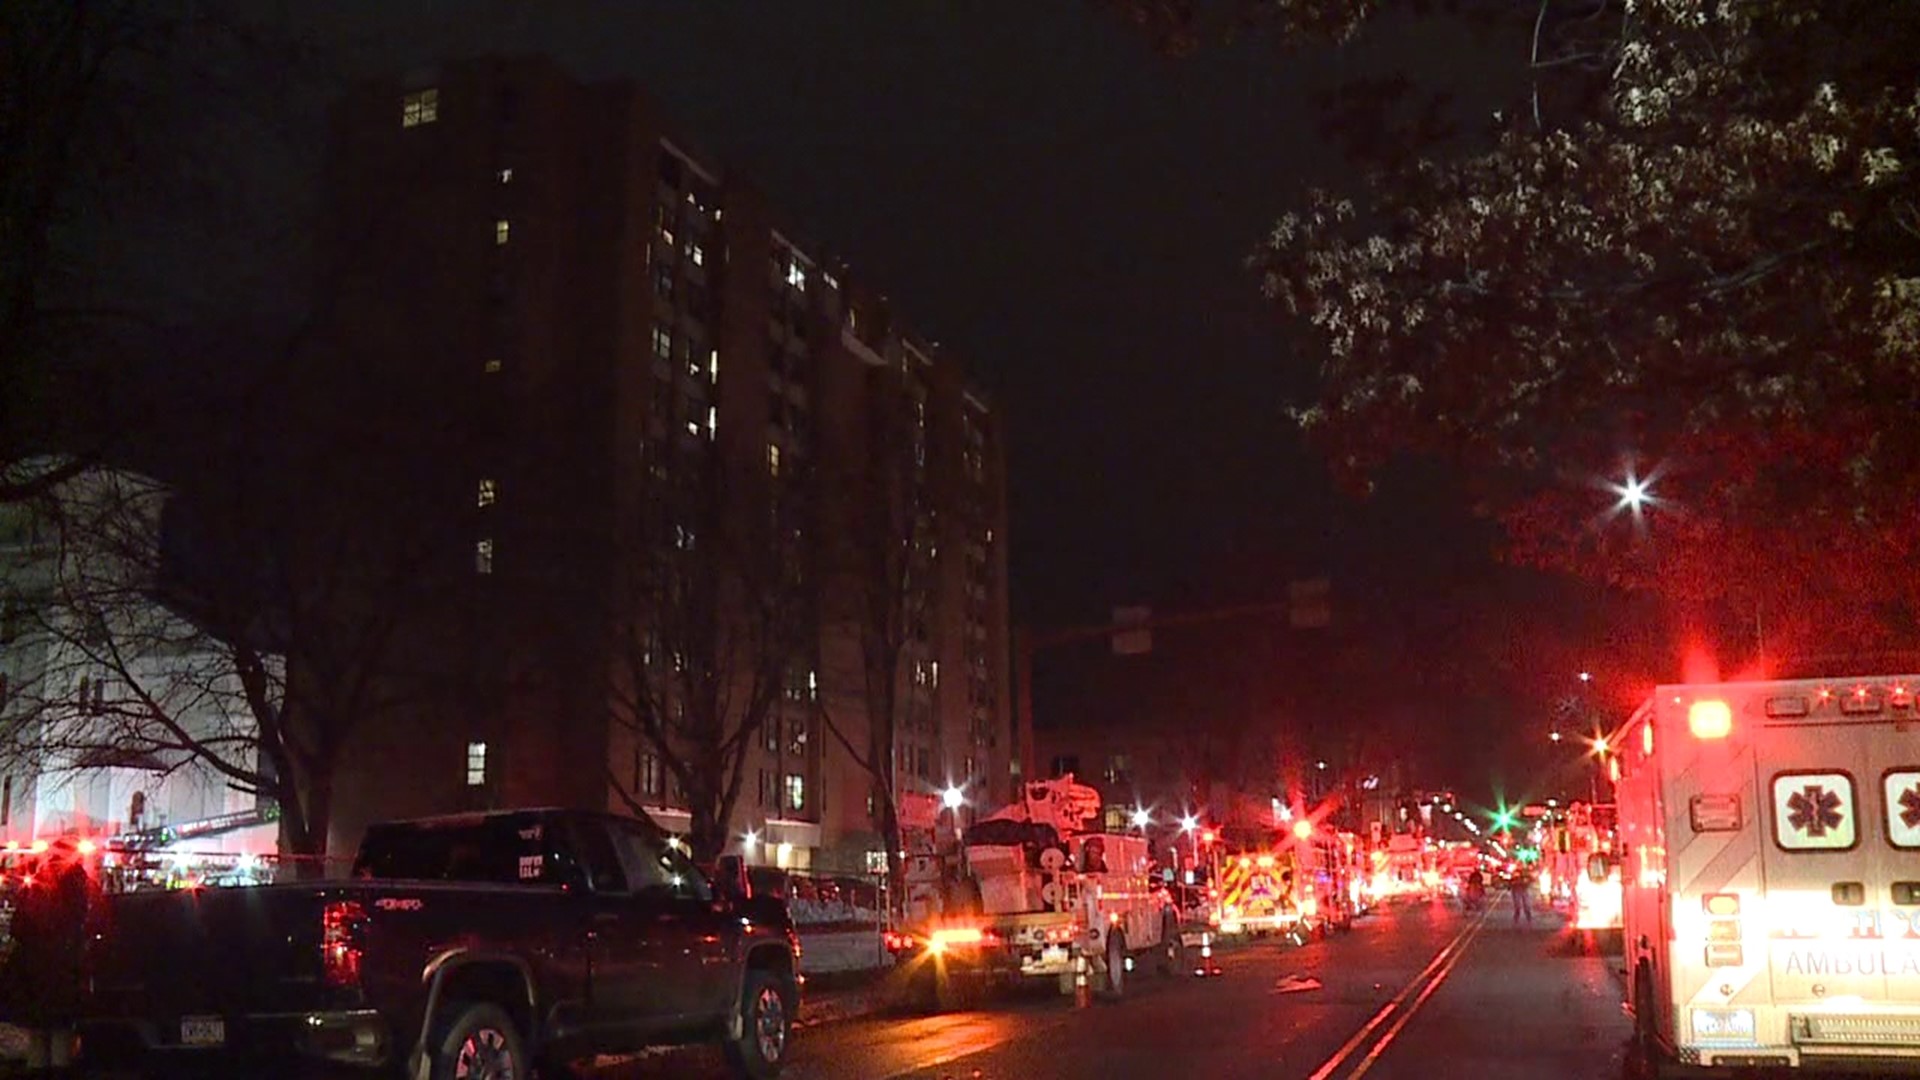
41	985
1521	886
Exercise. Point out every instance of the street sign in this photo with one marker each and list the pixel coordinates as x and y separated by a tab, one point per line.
1132	642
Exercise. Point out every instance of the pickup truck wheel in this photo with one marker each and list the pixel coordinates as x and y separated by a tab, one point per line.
481	1043
766	1024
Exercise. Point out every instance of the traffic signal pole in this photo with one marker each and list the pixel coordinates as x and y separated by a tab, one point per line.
1027	642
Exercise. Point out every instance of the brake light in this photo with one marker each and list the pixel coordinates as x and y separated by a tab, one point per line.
1710	719
341	925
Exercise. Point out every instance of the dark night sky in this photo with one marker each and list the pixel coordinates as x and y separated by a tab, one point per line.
1067	212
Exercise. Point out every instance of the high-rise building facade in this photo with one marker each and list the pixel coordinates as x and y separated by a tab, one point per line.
625	406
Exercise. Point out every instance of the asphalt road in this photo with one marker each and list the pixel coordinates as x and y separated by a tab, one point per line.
1417	991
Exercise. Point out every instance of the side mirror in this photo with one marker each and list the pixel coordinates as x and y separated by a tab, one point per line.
730	878
1597	869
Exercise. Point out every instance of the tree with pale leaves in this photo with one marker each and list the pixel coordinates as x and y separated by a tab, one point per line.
1670	319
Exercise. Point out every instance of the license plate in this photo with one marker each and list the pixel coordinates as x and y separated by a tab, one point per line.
203	1031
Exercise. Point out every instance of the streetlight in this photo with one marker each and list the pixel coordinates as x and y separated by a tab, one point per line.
1188	823
1586	676
953	798
1141	817
1554	735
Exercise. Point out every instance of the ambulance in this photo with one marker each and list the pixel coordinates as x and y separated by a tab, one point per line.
1770	871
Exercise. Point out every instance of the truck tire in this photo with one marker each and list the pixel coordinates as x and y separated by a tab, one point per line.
1170	957
480	1042
1113	984
766	1028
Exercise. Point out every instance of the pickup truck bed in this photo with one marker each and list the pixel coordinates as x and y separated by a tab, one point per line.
592	951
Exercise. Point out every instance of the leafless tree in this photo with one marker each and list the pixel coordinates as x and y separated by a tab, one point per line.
173	652
711	616
879	563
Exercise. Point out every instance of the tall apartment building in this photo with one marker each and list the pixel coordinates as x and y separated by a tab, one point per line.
553	312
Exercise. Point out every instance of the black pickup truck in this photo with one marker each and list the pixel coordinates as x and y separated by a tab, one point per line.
476	946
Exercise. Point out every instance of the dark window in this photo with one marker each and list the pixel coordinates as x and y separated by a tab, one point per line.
496	848
669	169
598	856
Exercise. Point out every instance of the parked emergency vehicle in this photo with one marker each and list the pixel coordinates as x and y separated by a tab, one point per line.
1038	895
1590	831
1256	893
1771	874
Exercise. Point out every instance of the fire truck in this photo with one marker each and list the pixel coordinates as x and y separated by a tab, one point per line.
1034	894
1596	895
1770	839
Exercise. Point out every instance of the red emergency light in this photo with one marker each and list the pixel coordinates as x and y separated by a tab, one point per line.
1710	719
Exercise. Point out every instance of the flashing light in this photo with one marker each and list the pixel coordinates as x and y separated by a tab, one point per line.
948	936
1141	817
1303	829
1503	820
1600	745
1266	862
1188	823
39	847
953	798
1208	836
1721	903
1709	719
85	847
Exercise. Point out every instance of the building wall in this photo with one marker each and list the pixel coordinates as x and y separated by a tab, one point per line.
567	296
85	655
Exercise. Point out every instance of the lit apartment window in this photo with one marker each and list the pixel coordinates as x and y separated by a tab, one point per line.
476	764
797	274
713	420
492	366
796	792
696	255
502	231
663	343
483	557
420	107
505	176
773	459
713	365
488	492
6	800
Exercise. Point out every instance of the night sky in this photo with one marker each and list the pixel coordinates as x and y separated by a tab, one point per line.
1068	213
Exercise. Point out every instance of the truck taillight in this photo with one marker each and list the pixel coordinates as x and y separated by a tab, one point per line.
341	924
1723	930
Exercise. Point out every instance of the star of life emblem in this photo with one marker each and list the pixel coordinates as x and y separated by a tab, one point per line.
1902	791
1814	811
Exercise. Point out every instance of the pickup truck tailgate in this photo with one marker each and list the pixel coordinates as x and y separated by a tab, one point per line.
185	952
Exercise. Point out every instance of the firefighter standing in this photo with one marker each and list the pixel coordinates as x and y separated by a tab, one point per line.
41	986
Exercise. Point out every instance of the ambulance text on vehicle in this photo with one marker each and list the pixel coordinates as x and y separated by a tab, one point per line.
1770	836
